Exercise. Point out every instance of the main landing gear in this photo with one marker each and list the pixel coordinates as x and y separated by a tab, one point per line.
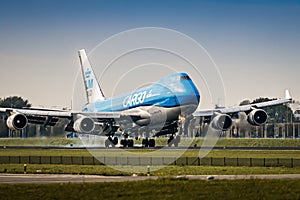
148	142
127	142
145	142
109	130
112	142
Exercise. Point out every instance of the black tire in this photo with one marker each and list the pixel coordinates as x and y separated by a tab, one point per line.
130	143
151	143
145	142
115	141
124	143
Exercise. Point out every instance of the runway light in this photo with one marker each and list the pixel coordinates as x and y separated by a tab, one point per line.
25	168
148	170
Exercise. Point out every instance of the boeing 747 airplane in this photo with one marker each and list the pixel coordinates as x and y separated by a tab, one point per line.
154	109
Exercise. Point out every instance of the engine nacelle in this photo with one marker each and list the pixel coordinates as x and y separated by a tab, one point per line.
154	117
221	122
17	121
84	125
257	117
141	121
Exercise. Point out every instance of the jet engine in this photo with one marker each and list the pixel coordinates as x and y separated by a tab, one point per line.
221	122
141	121
154	117
257	117
84	125
17	121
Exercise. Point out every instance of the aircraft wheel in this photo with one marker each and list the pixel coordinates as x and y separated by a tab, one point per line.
130	143
145	142
124	143
115	141
151	143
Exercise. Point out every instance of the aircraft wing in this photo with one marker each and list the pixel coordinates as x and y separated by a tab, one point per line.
84	122
67	114
244	108
37	112
18	118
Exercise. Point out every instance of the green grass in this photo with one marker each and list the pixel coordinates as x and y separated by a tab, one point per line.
163	188
44	152
258	142
147	153
47	141
56	141
157	189
166	171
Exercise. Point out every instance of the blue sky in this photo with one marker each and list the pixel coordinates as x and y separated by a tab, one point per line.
256	44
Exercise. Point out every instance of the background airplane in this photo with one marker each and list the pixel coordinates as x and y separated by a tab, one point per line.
153	110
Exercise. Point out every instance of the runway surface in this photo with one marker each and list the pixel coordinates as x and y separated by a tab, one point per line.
58	178
152	148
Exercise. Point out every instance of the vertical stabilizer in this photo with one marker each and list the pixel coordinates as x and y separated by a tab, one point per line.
92	88
287	94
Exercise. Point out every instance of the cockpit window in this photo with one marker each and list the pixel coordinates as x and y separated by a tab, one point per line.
297	112
186	77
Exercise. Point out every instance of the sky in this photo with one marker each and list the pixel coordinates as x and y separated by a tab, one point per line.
254	44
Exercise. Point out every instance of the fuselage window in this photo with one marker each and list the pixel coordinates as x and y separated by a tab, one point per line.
185	78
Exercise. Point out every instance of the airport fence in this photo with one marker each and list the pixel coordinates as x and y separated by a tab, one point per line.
157	161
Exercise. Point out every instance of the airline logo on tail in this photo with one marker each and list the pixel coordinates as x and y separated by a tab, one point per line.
89	82
93	90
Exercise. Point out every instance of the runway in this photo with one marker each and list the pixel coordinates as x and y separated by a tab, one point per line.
66	178
152	148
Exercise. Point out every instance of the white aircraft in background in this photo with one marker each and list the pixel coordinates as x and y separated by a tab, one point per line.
154	109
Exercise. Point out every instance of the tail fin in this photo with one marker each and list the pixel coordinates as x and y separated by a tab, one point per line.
92	88
287	94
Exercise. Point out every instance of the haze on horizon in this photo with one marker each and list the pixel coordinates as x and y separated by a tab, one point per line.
255	44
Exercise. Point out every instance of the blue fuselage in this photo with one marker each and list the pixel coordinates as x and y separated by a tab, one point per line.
176	90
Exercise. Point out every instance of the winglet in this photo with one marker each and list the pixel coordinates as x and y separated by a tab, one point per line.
287	94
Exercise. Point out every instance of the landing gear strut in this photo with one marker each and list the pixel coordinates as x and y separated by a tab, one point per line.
109	129
111	142
174	141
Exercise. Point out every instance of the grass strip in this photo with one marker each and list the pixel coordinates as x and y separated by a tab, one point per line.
146	153
159	189
166	171
235	142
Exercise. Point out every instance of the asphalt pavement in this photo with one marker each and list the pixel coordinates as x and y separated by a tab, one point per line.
67	178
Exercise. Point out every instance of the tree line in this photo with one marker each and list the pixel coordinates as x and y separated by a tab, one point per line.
32	130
